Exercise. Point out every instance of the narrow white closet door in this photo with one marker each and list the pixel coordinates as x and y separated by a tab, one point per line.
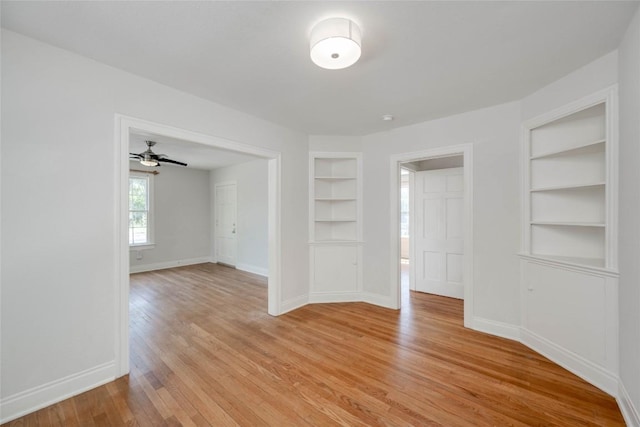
225	206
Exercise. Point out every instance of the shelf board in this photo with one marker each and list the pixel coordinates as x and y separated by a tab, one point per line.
335	220
591	262
568	187
569	224
335	241
587	264
335	178
566	151
330	199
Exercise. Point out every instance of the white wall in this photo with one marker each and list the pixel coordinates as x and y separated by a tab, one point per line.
252	212
58	218
335	143
594	76
182	213
495	134
629	240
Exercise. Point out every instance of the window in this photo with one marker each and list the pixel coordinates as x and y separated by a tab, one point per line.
140	209
404	203
404	212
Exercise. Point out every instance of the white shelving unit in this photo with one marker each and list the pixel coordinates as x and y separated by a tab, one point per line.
335	205
569	257
335	229
568	187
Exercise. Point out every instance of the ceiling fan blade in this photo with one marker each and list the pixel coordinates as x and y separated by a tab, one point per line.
134	156
175	162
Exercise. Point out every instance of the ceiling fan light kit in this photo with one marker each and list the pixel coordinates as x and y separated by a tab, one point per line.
148	160
151	159
335	43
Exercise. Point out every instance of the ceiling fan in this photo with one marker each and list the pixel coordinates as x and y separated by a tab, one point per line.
149	158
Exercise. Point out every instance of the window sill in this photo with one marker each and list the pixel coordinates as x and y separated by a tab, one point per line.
133	248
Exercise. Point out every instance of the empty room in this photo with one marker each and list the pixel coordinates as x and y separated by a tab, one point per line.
316	213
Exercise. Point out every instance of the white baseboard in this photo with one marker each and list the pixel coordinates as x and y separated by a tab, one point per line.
293	303
493	327
585	369
25	402
370	298
329	297
379	300
168	264
629	411
260	271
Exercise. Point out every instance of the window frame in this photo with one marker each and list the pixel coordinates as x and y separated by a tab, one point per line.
150	243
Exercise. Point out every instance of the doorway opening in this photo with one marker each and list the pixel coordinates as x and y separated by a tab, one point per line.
432	224
126	127
431	241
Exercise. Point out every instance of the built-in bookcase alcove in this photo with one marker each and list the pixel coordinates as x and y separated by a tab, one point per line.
569	254
335	199
567	171
334	225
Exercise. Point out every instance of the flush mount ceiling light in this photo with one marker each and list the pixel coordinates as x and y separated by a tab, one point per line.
335	43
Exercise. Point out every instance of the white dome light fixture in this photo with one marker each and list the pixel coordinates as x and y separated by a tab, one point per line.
335	43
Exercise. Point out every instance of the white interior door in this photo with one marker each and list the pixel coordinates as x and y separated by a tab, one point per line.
439	205
225	229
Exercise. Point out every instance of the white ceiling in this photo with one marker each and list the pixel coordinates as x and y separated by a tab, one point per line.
195	155
420	61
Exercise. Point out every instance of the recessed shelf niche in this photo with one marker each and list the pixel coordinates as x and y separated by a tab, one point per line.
335	202
568	262
567	169
335	231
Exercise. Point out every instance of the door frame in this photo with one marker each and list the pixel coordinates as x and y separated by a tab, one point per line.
215	219
466	150
124	125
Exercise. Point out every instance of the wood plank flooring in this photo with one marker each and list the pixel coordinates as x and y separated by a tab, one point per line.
205	353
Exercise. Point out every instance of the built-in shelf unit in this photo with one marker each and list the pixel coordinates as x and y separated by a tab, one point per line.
568	184
335	228
569	255
335	204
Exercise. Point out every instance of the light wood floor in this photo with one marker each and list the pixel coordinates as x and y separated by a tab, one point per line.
204	352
